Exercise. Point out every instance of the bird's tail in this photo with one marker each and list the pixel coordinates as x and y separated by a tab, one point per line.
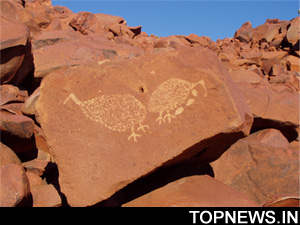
73	98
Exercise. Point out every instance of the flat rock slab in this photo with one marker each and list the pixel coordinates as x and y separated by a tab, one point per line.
107	125
194	191
278	103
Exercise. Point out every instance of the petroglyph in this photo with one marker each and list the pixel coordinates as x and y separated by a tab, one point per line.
116	112
171	95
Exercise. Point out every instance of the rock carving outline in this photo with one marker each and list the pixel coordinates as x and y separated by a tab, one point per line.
171	95
116	112
125	112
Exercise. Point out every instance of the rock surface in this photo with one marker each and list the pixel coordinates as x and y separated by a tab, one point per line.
12	47
7	156
14	185
17	125
261	165
155	112
45	195
179	103
10	93
194	191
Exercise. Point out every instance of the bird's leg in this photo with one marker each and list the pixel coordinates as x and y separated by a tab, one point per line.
160	119
133	135
142	127
74	98
169	116
202	83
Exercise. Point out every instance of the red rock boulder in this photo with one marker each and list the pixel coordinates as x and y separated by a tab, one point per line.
261	166
10	93
7	156
14	185
244	33
45	195
13	40
98	114
293	32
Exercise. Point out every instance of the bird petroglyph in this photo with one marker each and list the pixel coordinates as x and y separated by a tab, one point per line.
172	95
116	112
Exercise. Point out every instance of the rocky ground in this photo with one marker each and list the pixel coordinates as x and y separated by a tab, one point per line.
97	113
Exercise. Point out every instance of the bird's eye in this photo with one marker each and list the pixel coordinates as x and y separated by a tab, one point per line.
141	89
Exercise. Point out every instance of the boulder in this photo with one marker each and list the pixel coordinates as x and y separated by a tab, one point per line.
107	20
14	108
10	93
83	22
244	33
15	124
203	41
266	32
86	113
268	59
273	102
193	191
13	40
37	166
45	195
88	23
293	32
261	166
171	42
121	30
14	185
60	12
293	63
34	179
7	156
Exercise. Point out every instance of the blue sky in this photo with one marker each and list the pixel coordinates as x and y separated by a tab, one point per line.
216	19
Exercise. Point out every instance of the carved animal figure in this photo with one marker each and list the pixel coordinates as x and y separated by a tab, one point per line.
171	95
116	112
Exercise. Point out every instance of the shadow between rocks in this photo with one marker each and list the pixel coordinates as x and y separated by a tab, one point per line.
193	161
51	175
26	202
8	53
155	180
24	148
287	129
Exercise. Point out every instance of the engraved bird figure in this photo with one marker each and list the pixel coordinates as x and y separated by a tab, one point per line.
172	95
116	112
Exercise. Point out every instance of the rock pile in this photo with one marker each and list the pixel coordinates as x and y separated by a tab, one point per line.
97	113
